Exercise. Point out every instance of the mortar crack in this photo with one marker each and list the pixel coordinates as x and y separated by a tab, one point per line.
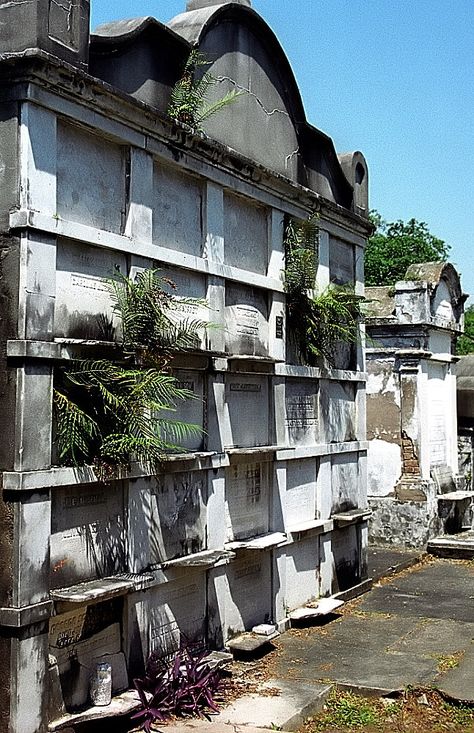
269	113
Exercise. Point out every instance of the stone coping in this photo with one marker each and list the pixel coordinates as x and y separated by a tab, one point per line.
57	476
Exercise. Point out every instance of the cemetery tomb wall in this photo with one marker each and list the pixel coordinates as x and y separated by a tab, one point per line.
87	532
83	156
107	183
178	210
302	411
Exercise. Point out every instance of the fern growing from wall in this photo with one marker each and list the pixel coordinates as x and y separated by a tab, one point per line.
188	104
317	321
110	412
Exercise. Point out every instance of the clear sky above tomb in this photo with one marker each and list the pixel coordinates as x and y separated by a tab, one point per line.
392	79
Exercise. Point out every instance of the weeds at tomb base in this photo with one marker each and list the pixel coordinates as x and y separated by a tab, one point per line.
184	685
415	710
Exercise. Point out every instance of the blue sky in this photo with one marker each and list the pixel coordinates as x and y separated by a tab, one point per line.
392	79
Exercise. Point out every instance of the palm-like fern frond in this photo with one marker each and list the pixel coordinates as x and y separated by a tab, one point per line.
316	321
188	97
117	411
75	429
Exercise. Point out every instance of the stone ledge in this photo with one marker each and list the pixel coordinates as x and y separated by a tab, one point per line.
26	615
307	372
456	496
249	642
204	559
323	607
28	219
353	516
58	476
263	542
122	704
321	449
312	525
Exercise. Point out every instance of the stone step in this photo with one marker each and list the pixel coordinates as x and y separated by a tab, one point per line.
323	608
248	642
458	546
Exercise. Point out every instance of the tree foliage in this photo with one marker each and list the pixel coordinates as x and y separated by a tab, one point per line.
465	344
396	245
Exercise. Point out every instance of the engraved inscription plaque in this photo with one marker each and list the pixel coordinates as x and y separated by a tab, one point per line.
246	318
301	403
247	500
179	521
83	307
87	533
247	399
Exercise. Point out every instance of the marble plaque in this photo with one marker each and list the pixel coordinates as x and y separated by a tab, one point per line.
87	533
80	638
240	595
247	500
170	614
90	179
83	307
302	572
247	398
300	497
246	319
338	411
178	201
345	482
301	404
191	411
245	234
178	515
341	261
185	284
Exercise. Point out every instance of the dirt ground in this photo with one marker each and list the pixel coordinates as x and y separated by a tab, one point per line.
415	711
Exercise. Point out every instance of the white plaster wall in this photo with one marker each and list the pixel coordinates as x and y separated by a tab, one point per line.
302	572
246	234
439	411
90	179
384	467
178	210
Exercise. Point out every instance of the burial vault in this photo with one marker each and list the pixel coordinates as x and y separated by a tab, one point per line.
265	510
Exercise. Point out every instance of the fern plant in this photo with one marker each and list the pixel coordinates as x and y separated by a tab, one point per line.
317	321
188	103
108	412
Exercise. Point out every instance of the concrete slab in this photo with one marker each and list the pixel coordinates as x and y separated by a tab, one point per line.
383	561
438	590
203	726
396	635
288	709
458	683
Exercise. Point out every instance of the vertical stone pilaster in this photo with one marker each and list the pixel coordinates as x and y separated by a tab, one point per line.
139	223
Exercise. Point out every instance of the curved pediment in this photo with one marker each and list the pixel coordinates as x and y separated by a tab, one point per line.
447	298
267	123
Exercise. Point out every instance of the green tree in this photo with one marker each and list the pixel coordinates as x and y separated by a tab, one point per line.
396	245
465	343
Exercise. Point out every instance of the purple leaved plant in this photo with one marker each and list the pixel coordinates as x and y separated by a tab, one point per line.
184	686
